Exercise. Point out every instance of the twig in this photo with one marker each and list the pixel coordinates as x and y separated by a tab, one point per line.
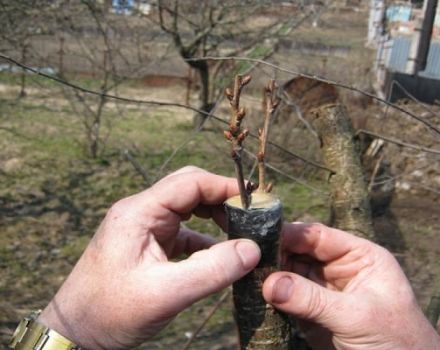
235	135
293	178
185	142
374	173
286	99
397	142
324	80
207	318
157	103
270	103
138	167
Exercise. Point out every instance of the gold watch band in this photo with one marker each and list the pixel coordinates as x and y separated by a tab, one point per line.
31	335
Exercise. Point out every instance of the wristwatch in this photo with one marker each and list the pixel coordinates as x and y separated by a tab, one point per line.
31	335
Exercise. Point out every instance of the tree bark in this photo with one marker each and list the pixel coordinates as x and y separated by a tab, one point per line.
350	204
204	102
260	326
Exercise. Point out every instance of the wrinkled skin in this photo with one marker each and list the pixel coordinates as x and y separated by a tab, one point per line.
124	289
349	292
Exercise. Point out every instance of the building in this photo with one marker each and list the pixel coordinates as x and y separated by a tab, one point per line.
407	39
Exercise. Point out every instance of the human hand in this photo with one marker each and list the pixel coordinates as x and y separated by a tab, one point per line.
124	289
348	293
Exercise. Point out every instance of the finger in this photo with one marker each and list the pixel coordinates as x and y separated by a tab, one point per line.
319	241
188	242
161	208
203	273
215	212
305	299
184	170
182	193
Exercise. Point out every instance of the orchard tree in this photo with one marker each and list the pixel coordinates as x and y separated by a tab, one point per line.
227	28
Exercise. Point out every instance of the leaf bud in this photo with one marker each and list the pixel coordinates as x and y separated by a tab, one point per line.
242	136
229	94
241	113
246	79
228	135
233	129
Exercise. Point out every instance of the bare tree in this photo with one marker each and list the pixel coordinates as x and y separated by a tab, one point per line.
97	39
228	27
16	32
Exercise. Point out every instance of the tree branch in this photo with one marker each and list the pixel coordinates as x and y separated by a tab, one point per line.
324	80
236	136
398	142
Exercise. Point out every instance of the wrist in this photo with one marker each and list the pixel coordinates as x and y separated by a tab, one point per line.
69	325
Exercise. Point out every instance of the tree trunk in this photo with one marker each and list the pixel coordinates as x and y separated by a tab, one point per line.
260	326
204	102
350	204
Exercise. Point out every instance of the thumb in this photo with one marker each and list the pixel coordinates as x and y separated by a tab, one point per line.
205	272
305	299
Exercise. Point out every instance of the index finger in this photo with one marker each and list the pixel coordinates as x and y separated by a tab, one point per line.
319	241
183	191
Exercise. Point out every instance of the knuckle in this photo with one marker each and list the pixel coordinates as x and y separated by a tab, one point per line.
316	304
116	210
190	168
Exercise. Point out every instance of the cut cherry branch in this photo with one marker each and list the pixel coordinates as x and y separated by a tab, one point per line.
256	216
270	103
236	135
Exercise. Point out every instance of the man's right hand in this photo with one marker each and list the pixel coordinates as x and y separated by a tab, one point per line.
349	293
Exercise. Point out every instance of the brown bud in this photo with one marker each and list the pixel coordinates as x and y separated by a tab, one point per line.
228	135
269	187
245	80
260	156
260	131
241	113
233	129
229	94
241	136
